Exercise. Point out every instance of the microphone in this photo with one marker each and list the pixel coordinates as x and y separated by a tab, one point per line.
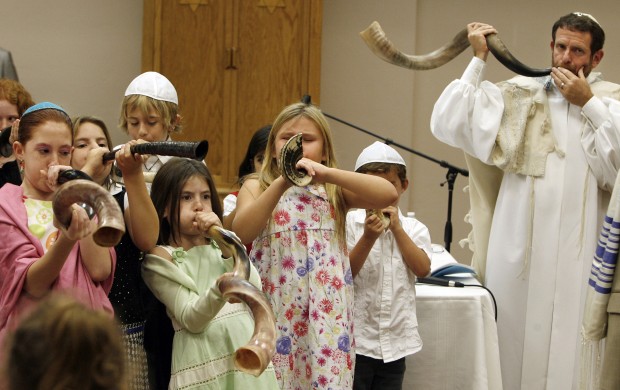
306	99
440	282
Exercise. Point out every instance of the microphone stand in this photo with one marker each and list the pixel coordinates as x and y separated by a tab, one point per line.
451	175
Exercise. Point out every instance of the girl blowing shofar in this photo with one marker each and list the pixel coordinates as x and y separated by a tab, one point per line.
183	272
300	251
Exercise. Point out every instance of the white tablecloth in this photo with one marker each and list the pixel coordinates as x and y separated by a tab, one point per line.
458	329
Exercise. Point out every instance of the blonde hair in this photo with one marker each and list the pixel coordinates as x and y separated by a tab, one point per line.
167	110
270	170
61	345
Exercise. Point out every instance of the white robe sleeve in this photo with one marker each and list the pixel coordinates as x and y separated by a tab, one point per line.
468	113
601	139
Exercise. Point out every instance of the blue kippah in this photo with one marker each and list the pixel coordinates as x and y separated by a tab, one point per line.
43	106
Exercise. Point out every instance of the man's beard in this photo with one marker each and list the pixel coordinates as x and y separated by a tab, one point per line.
587	68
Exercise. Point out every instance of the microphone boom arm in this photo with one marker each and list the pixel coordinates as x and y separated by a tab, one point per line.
453	171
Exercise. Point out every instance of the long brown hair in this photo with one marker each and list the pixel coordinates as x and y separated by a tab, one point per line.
166	193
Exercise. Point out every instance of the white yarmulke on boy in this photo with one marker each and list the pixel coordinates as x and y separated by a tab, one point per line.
153	85
379	152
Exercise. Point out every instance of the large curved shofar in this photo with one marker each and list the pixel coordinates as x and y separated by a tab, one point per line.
111	222
254	357
382	47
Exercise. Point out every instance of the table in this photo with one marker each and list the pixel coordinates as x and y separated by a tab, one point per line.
457	327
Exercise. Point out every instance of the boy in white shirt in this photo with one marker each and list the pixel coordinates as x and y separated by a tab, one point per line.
387	252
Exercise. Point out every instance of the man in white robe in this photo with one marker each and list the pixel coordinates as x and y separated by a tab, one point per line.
556	140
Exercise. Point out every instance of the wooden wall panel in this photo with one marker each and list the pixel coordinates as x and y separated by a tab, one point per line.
235	65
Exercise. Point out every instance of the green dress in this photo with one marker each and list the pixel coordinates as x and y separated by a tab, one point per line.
208	330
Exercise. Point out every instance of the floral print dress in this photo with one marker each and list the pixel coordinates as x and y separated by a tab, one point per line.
306	275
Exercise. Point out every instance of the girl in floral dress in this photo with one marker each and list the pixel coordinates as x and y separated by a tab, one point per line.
299	248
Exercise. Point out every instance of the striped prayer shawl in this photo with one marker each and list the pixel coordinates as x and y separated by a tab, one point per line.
594	326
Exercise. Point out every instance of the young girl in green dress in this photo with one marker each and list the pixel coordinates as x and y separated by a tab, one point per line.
182	272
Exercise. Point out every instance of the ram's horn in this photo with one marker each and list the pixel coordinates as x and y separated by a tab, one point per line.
499	50
382	47
385	219
291	153
72	174
254	357
111	222
195	150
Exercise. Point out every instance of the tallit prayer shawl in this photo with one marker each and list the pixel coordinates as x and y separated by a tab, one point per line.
594	325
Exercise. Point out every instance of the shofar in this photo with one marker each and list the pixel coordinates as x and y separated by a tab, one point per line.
194	150
291	153
385	219
382	47
111	226
255	356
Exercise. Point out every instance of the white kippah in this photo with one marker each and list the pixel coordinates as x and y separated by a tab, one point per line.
379	152
153	85
580	14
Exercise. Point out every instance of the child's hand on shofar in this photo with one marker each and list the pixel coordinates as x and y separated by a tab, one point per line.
94	165
227	275
79	227
394	220
313	168
51	175
205	219
130	163
373	226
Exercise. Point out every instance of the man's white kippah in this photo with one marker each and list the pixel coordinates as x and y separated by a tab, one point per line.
153	85
379	152
580	14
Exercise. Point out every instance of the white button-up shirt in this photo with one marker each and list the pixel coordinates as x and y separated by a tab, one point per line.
386	326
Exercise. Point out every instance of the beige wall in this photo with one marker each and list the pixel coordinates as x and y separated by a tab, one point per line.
83	53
